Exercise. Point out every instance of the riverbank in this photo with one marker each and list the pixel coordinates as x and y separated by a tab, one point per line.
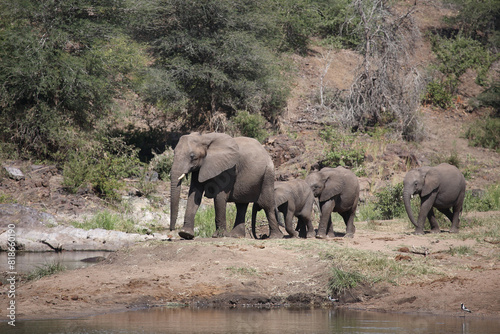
430	274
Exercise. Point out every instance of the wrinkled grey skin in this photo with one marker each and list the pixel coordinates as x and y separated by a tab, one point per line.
441	187
338	191
292	198
226	169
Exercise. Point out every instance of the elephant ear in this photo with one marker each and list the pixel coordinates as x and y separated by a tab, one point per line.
222	154
431	182
333	186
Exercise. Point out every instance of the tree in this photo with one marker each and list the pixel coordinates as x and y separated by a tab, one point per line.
386	90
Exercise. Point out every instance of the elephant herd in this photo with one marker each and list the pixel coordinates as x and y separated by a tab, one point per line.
240	170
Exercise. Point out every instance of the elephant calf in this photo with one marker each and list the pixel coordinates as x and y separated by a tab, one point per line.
338	191
441	187
292	198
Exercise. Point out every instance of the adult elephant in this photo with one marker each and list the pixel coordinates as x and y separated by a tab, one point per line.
338	191
226	169
292	198
441	187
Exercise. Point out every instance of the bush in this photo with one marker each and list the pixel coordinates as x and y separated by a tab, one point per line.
390	202
436	94
162	163
342	150
251	125
482	201
485	132
101	166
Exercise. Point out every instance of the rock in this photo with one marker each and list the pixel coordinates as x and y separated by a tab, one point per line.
282	148
14	173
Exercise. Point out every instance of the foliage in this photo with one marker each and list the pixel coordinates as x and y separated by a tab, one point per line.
477	20
102	166
438	95
162	164
485	132
489	98
220	64
338	22
342	150
59	71
389	202
251	125
341	281
482	201
45	270
458	54
204	221
108	221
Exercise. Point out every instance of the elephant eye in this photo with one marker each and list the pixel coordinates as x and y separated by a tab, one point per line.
192	156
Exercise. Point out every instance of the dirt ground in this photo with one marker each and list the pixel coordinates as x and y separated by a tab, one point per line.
269	273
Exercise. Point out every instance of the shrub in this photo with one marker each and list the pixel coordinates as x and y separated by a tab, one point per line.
485	132
482	201
436	94
251	125
162	163
102	166
342	150
389	202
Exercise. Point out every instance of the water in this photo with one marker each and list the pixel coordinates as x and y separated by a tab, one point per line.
28	261
255	321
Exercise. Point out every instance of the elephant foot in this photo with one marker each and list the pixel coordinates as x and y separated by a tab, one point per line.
436	230
219	233
187	234
454	230
321	236
275	235
419	232
237	232
310	235
349	235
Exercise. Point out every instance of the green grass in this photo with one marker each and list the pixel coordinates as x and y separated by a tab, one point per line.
341	280
244	271
461	250
204	221
108	221
45	270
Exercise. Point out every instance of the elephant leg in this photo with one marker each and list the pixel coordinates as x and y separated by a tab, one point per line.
457	210
193	203
451	216
325	221
433	221
289	221
220	202
238	230
348	217
425	207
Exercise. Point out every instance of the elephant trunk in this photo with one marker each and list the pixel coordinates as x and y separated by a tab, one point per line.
176	177
406	198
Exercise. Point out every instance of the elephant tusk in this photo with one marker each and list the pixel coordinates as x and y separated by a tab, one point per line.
410	196
181	177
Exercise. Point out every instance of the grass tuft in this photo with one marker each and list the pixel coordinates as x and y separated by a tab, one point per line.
45	270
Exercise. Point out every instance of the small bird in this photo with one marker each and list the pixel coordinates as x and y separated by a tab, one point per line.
465	309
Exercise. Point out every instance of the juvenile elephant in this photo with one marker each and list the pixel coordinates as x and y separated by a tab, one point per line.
226	169
338	191
292	198
441	187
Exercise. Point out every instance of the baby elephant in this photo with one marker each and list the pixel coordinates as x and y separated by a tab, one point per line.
292	198
441	187
338	191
